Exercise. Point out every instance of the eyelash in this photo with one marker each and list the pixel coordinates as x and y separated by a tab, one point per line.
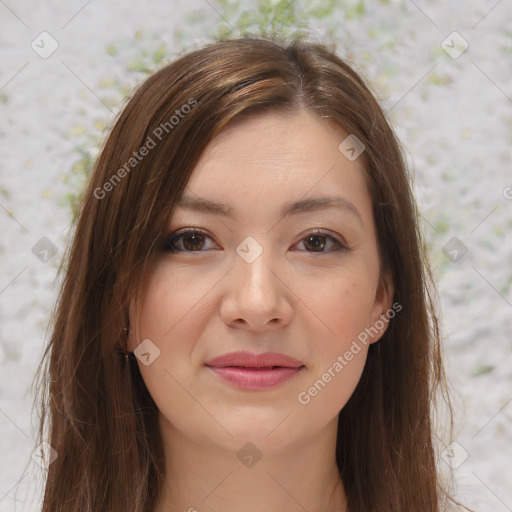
168	244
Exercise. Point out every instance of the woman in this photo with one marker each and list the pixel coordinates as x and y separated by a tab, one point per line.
245	321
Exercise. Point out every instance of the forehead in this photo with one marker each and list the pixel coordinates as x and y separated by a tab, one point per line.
268	161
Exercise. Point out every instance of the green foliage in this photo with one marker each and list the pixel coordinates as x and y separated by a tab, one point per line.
281	18
4	192
79	175
481	370
148	59
284	18
112	49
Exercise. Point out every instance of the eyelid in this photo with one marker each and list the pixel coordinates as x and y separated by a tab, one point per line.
330	234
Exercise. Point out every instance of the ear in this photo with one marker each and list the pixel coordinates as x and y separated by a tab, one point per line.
379	320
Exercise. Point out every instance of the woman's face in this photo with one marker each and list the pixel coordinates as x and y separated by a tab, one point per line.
266	277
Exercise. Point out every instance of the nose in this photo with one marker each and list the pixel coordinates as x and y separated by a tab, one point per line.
256	296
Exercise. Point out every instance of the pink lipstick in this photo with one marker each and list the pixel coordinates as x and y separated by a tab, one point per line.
250	371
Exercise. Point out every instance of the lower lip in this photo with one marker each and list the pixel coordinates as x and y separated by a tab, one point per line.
255	379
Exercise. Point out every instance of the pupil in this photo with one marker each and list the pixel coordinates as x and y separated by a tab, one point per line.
316	245
196	239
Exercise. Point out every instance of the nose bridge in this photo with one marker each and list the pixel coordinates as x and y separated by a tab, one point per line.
254	261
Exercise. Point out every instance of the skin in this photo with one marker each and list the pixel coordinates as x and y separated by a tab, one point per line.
306	302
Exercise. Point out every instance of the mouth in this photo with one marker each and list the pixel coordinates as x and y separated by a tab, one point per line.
255	378
247	371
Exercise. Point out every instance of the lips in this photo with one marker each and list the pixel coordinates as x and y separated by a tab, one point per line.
249	360
248	371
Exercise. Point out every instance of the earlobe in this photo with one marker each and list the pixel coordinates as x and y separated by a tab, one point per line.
380	316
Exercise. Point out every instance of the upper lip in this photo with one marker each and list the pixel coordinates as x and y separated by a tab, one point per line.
250	360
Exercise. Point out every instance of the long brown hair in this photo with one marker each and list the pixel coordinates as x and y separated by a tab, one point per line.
96	411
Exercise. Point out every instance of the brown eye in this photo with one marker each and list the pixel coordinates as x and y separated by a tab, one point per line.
317	241
191	240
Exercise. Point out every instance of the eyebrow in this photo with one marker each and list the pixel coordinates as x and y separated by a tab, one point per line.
204	205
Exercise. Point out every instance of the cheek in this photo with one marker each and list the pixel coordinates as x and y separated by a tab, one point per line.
172	299
342	306
173	322
340	350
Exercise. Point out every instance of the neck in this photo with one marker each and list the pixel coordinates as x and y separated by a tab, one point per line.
201	475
